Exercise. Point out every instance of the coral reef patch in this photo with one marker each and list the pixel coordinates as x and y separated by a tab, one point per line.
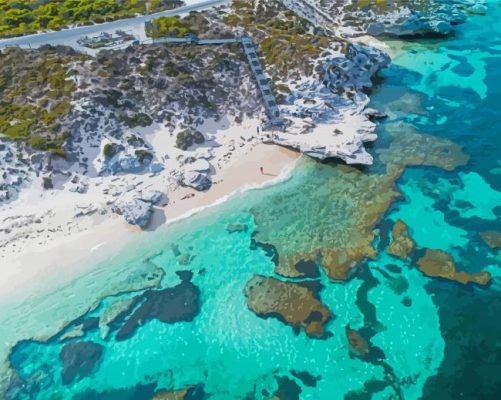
293	303
439	264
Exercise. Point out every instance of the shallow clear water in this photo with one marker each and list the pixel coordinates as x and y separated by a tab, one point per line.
438	339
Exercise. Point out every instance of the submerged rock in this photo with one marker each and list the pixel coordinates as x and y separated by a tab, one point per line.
303	268
180	303
342	205
492	238
398	284
113	313
439	264
408	148
79	360
339	263
305	377
232	228
195	392
477	8
75	332
184	259
401	245
29	387
357	344
288	389
141	391
292	303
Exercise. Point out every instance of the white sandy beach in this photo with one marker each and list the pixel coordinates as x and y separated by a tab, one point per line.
69	245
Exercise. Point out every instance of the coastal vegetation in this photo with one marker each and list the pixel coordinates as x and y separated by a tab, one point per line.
31	16
189	137
175	26
167	26
139	119
35	95
286	43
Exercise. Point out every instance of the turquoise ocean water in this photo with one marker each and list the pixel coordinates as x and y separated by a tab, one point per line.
435	339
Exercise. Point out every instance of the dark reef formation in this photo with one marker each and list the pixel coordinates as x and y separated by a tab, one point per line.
79	360
232	228
306	378
180	303
288	389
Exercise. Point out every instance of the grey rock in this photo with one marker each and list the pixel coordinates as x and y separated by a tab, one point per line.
152	197
196	180
156	168
4	195
374	114
136	211
47	183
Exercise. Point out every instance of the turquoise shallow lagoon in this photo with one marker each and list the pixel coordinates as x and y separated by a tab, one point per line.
429	338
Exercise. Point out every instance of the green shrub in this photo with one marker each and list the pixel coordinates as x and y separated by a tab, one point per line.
188	137
108	150
143	156
38	142
18	17
140	119
168	26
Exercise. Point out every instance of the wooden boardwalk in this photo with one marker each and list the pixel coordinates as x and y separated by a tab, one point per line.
249	48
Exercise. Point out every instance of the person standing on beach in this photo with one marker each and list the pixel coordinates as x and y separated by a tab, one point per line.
262	170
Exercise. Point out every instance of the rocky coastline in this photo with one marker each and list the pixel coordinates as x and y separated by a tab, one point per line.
147	122
97	136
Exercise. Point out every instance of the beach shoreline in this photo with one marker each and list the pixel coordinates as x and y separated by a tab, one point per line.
65	256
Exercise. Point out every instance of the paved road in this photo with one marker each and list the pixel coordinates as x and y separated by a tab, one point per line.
134	25
190	41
